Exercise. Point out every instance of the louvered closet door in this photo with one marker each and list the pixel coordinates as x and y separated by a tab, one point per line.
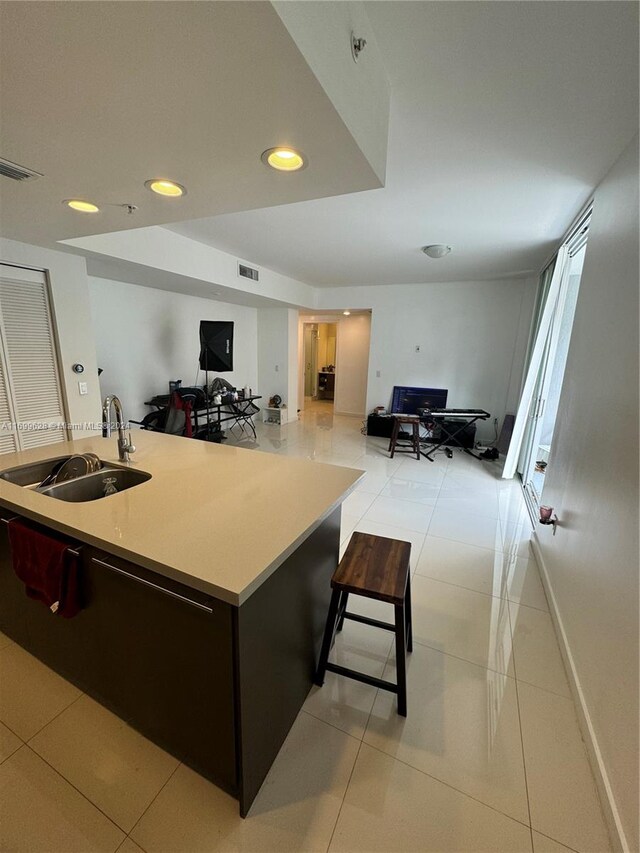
8	441
29	359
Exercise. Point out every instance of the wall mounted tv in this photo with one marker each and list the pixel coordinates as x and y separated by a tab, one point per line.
216	345
407	400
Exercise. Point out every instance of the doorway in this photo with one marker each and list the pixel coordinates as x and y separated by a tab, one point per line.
320	365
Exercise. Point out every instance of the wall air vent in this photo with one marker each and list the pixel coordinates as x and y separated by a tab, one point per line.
17	173
247	272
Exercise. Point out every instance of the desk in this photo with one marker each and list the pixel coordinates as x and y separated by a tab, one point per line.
242	405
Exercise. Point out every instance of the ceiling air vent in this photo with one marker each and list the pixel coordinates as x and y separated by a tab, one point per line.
247	272
17	173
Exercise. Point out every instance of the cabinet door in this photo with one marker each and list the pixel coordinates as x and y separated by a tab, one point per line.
13	620
162	658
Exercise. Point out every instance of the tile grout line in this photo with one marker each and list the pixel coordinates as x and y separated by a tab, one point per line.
446	784
48	723
478	591
76	789
524	760
173	772
364	731
429	775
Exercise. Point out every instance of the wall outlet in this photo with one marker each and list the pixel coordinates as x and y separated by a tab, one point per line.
417	347
377	374
82	388
277	368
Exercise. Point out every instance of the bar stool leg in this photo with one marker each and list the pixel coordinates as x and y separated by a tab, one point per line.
401	659
394	437
344	598
407	615
327	640
416	439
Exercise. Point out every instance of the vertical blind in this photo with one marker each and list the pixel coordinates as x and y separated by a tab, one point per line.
30	392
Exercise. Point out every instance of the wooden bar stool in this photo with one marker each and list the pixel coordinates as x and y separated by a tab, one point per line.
375	567
413	445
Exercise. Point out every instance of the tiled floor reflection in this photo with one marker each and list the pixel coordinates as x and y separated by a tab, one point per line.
490	757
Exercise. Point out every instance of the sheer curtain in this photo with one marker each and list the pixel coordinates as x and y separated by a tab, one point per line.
559	271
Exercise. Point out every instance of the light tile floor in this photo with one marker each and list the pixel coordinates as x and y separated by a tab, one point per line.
490	757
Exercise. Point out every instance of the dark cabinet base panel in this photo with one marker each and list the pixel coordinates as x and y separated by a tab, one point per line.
217	686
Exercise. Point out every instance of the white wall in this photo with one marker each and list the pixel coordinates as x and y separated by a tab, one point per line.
277	356
360	92
591	565
166	260
472	338
72	317
352	362
145	337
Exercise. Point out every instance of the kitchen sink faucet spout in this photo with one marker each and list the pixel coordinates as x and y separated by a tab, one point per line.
125	446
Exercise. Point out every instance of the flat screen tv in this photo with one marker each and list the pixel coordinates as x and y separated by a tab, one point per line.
407	400
216	345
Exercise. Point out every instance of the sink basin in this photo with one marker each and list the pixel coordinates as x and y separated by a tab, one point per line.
92	487
31	475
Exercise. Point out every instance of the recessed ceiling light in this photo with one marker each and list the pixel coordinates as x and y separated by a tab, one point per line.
167	188
82	206
437	250
284	159
346	313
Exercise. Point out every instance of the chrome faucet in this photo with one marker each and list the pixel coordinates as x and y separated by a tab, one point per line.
125	447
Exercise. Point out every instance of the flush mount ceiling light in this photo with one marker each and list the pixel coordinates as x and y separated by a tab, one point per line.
346	313
284	159
81	206
162	186
437	250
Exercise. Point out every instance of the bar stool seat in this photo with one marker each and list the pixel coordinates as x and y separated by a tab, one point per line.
374	567
413	443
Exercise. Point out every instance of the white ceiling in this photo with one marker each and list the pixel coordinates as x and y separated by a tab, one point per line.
504	118
101	96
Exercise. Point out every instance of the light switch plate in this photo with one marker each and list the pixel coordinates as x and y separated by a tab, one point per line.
82	388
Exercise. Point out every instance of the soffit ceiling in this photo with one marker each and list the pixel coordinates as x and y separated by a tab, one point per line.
504	118
101	96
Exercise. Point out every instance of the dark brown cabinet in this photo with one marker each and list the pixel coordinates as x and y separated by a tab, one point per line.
216	685
326	385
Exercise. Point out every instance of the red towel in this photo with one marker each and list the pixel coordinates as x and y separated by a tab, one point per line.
50	573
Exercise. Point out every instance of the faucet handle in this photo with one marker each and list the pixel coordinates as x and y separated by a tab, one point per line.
131	448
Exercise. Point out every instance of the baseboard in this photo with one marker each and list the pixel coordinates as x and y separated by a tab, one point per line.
598	767
349	414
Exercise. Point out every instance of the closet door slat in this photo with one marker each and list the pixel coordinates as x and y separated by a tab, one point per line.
32	383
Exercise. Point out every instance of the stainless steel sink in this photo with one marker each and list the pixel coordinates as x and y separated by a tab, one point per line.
101	484
31	475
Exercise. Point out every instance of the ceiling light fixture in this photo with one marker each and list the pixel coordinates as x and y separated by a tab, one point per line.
437	250
81	206
284	159
346	313
162	186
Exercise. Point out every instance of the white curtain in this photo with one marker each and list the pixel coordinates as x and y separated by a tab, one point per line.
519	427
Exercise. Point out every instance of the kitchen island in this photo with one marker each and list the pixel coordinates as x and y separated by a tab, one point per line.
205	592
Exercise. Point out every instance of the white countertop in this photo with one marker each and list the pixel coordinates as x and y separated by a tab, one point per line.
219	519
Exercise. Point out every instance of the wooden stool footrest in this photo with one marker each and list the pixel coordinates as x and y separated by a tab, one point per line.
360	676
366	620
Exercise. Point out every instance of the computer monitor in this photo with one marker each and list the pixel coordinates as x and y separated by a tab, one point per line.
407	399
